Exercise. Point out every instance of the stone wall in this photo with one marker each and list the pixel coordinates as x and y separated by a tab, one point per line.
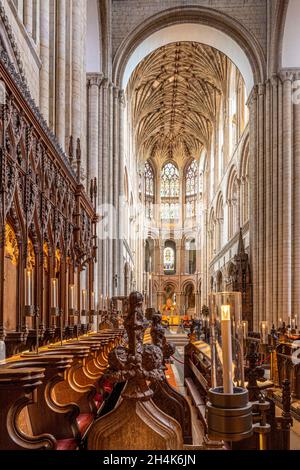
128	14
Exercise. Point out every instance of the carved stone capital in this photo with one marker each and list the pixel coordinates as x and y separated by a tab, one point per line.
289	75
122	97
94	79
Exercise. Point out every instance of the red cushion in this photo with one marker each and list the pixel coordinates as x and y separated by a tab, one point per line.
83	421
98	400
107	386
67	444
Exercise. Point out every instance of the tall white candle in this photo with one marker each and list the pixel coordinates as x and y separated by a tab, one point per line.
54	293
28	287
293	323
264	332
83	306
92	300
71	296
226	348
245	329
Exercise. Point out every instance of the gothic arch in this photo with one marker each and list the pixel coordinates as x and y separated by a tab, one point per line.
186	283
171	26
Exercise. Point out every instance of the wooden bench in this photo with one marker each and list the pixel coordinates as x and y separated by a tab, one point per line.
197	400
46	415
18	391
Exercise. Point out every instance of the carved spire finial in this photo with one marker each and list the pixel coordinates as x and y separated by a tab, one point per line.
71	150
241	247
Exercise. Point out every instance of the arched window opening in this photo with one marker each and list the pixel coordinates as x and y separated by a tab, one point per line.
221	142
220	224
245	188
169	260
232	110
169	192
190	249
212	235
189	297
219	286
149	255
191	183
233	207
149	190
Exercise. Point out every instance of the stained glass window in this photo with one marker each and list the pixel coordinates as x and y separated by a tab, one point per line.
169	181
169	259
191	182
149	190
169	192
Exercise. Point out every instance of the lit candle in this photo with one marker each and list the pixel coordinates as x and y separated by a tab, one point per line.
226	348
28	287
92	300
280	322
293	323
54	293
264	332
71	296
245	329
83	307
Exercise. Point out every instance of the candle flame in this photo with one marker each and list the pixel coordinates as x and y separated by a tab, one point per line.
225	312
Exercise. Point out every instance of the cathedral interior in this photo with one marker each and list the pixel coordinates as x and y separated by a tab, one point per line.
149	211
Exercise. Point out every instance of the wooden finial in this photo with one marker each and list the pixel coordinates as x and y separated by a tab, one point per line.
92	189
78	158
71	150
78	150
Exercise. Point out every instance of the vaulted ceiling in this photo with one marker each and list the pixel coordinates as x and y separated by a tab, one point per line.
173	97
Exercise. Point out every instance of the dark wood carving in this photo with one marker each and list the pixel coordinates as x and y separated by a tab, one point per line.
241	281
43	200
136	422
165	396
17	390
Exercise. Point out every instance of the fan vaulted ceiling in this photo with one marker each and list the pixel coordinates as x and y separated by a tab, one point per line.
173	96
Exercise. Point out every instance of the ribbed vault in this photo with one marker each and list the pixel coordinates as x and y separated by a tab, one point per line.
174	95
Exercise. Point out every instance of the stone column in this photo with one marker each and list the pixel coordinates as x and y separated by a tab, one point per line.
296	198
261	203
275	201
116	188
113	227
28	18
105	184
93	83
253	156
83	90
44	55
287	183
268	206
76	68
60	121
121	189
